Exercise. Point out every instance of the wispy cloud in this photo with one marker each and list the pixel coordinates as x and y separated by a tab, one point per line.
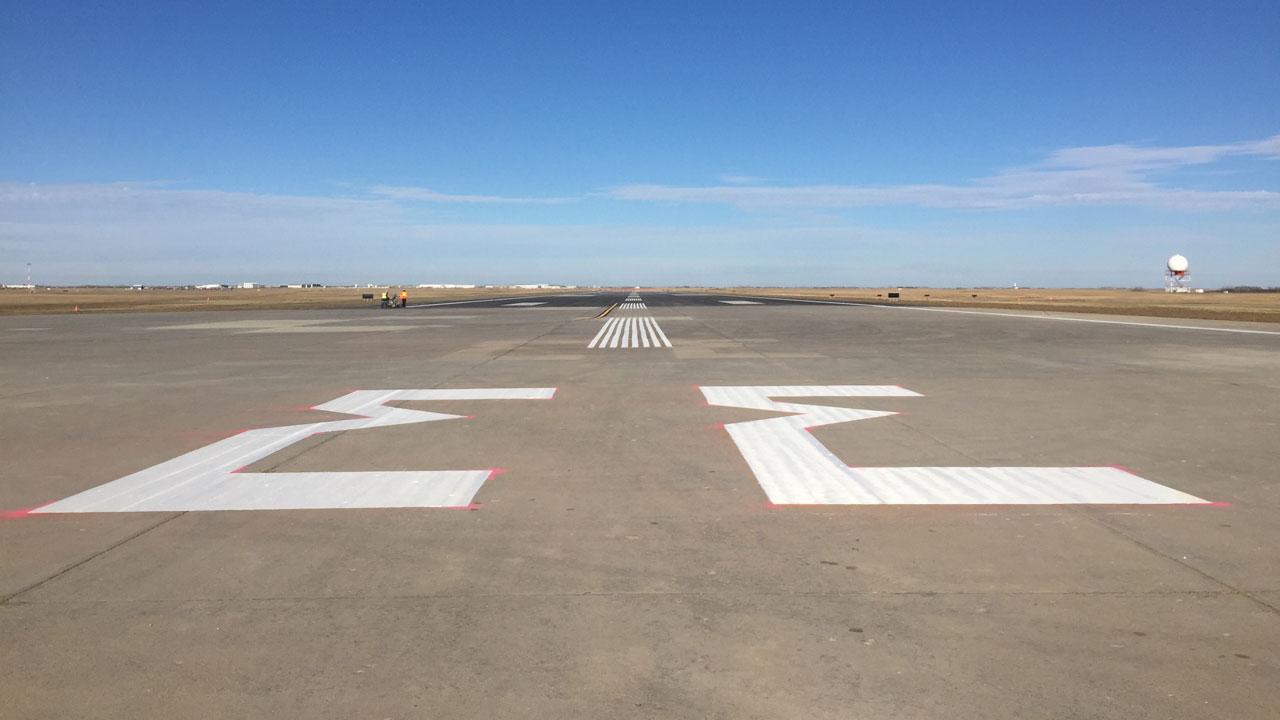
1099	175
1147	158
155	200
420	194
142	232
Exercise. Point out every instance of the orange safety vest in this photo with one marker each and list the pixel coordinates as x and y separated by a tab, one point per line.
404	294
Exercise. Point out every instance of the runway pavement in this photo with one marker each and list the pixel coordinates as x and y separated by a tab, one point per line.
638	504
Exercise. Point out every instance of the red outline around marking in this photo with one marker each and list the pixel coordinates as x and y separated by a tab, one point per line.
19	513
496	471
289	408
976	506
982	505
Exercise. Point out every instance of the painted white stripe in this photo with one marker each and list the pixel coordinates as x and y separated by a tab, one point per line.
617	333
794	468
604	332
628	333
600	334
661	335
206	478
525	304
739	302
987	313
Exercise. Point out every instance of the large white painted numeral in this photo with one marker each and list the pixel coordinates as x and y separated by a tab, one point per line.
208	478
795	469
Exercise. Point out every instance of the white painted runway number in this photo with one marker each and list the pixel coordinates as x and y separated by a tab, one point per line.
208	478
794	468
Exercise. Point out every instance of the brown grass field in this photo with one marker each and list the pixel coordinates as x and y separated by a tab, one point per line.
1255	307
97	300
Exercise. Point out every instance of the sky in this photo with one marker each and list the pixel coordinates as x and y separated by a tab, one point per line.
685	143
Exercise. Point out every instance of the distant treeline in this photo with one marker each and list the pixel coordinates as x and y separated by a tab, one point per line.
1251	289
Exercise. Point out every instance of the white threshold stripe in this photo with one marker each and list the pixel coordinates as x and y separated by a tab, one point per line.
661	335
615	335
629	333
987	313
600	334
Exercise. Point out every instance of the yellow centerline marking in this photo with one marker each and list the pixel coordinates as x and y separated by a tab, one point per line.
607	310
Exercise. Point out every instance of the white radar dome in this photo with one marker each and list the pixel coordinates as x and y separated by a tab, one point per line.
1178	264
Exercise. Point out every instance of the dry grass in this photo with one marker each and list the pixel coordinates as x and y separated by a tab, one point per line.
1255	307
90	300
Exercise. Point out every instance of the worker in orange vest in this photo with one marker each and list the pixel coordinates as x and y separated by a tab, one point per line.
404	297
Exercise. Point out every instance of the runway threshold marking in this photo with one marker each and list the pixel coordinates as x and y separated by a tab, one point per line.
987	313
210	479
634	306
794	468
629	333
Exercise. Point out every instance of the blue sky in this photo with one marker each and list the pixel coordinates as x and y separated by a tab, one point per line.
656	143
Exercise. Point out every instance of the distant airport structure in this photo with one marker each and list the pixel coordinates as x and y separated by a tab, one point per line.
1177	275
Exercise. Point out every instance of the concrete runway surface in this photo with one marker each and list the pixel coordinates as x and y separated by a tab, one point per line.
534	507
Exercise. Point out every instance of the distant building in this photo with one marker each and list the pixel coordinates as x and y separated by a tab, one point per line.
446	286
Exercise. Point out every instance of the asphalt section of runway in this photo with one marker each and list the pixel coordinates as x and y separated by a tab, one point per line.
958	515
